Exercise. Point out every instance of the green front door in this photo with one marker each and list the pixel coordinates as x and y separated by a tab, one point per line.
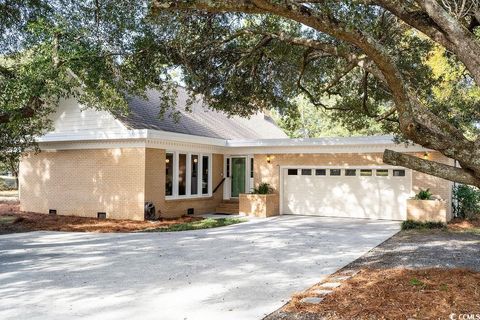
238	176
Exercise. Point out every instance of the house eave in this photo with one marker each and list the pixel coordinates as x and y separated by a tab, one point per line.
172	140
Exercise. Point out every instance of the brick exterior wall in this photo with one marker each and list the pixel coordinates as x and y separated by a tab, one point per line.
270	172
119	181
155	187
84	182
115	181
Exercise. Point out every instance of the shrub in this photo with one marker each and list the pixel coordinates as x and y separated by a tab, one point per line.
411	224
263	188
466	202
424	195
4	186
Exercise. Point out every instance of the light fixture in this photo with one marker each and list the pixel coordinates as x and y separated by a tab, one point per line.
167	160
268	159
195	160
425	156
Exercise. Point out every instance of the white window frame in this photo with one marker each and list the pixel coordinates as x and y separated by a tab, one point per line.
188	173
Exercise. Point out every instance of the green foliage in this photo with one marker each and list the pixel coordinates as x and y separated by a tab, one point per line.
456	99
103	52
100	52
411	224
466	201
305	120
424	194
201	224
417	283
263	188
4	186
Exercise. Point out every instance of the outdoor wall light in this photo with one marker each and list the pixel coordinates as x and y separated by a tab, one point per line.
425	156
268	159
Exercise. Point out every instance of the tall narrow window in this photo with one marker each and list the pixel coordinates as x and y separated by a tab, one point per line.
205	182
169	174
194	175
251	167
182	174
228	167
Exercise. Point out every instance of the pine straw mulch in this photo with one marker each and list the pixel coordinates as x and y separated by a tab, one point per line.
464	225
13	220
395	294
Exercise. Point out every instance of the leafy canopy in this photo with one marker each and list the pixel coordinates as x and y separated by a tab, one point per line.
99	52
102	51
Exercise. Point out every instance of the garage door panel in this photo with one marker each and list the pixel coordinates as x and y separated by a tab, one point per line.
346	196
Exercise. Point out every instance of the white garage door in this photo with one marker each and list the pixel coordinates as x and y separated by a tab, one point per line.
377	193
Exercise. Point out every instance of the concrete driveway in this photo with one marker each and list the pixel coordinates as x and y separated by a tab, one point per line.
243	271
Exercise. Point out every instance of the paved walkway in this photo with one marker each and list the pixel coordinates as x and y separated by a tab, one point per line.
242	271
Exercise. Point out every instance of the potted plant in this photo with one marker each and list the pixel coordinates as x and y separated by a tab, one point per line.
262	202
426	207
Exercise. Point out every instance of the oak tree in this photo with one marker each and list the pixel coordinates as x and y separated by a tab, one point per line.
248	54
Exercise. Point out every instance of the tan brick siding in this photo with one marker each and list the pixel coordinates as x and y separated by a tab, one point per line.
84	182
270	172
155	187
119	181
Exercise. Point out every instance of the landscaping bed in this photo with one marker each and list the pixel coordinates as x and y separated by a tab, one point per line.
394	294
472	225
13	220
416	274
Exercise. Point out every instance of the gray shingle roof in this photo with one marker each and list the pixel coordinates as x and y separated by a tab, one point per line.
201	121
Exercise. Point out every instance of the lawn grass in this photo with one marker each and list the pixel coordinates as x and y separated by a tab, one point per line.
4	220
202	224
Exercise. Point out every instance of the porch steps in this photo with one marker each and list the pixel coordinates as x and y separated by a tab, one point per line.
228	206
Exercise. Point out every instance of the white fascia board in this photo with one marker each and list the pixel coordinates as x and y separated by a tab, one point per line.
164	139
363	144
94	136
305	149
330	141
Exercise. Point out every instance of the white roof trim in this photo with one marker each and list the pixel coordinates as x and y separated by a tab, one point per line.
330	141
158	139
93	136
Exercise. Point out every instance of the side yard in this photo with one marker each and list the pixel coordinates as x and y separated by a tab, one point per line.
416	274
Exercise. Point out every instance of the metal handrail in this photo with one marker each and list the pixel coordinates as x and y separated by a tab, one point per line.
218	186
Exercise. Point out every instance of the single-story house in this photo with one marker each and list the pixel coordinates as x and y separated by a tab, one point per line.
95	163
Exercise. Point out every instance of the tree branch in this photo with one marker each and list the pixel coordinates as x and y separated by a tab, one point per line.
430	167
415	123
466	46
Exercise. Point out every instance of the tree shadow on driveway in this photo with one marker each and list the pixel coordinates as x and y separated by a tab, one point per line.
243	271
